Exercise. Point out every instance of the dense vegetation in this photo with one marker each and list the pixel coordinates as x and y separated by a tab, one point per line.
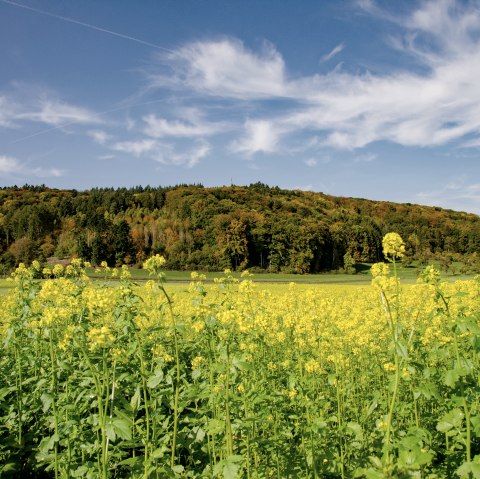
239	381
235	227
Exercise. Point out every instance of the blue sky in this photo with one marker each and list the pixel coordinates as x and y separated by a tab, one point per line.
362	98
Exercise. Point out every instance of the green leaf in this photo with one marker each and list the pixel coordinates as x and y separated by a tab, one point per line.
451	377
469	469
356	429
402	350
231	467
131	461
5	391
123	428
159	452
135	401
110	431
155	379
79	472
475	420
47	400
451	420
178	469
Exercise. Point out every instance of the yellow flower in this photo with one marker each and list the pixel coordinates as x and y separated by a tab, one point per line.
198	326
153	264
100	337
430	275
379	269
292	394
57	270
36	265
125	272
393	245
389	367
312	366
197	362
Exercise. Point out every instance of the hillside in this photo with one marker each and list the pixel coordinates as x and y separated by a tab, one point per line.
225	227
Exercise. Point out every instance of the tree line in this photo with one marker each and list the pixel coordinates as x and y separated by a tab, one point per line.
198	228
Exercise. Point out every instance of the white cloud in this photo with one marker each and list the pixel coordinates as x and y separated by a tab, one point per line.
304	187
130	124
335	51
10	166
161	127
365	158
57	113
260	136
165	153
169	155
311	162
47	172
99	136
136	148
458	194
225	68
7	113
435	104
27	103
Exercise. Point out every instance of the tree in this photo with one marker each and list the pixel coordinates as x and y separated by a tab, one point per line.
348	263
24	250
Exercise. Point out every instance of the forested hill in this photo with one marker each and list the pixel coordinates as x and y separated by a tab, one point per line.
201	228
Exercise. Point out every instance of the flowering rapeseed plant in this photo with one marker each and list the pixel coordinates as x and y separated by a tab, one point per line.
393	246
240	379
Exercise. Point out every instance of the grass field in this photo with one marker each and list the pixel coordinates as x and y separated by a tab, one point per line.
408	275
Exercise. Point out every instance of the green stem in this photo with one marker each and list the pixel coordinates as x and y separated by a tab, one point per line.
340	423
466	409
177	377
228	425
54	401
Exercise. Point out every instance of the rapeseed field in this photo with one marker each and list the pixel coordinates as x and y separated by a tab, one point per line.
239	380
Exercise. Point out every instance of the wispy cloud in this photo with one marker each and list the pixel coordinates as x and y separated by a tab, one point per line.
25	103
224	68
165	153
7	112
189	157
195	126
106	157
46	172
308	187
99	136
365	158
136	148
458	193
57	113
429	106
335	51
10	166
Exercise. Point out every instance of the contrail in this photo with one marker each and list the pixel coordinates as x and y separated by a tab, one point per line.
87	25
